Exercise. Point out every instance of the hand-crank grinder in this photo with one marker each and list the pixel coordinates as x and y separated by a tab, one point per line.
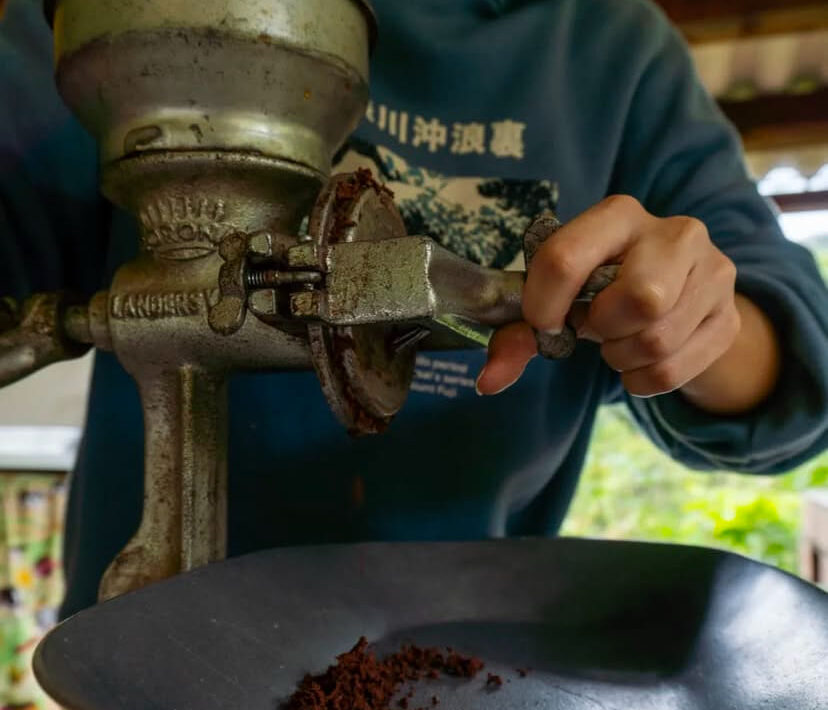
217	122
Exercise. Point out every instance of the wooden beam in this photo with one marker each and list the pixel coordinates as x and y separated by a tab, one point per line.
717	20
780	120
681	11
802	202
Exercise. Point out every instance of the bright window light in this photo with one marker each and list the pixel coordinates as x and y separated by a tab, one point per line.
808	227
819	181
783	180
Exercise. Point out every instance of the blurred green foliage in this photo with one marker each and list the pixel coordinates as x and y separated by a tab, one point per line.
822	260
631	490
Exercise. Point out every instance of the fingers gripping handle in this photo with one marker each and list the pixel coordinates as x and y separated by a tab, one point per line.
562	345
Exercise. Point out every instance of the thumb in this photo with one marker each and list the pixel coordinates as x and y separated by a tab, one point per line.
510	350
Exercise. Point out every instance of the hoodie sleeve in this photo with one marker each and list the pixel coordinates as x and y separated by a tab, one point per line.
679	156
52	220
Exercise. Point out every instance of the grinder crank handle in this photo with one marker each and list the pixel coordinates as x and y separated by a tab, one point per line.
368	271
413	279
562	345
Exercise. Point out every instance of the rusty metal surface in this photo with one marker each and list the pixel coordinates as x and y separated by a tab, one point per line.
228	314
185	483
561	345
409	278
339	28
412	278
38	338
217	122
77	326
213	226
364	378
598	280
285	78
9	313
199	213
376	275
190	206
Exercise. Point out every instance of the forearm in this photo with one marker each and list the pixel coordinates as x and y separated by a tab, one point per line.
746	374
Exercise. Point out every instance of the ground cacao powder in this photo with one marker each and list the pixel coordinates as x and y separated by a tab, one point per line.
361	681
493	682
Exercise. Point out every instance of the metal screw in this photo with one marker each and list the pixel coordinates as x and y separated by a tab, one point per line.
271	278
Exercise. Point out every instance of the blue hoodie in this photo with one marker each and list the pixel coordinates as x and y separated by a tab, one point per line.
483	113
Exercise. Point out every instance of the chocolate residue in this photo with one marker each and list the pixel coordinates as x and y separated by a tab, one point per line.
348	190
356	182
361	681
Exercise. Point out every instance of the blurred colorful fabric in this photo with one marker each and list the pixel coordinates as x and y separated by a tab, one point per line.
31	586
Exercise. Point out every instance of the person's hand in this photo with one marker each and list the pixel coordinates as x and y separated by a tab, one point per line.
670	314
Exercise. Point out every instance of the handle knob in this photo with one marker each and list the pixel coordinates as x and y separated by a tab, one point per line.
562	345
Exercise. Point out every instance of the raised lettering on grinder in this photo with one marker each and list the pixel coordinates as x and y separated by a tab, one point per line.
153	306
